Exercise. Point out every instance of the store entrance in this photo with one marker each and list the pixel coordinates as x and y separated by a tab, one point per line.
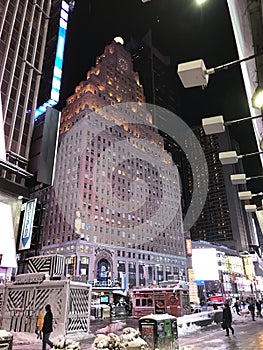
103	270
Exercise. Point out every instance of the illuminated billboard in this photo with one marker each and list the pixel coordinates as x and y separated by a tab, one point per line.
27	227
7	237
57	71
188	246
205	264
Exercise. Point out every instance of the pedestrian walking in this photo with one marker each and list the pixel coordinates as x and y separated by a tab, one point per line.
227	319
39	325
251	308
236	306
47	328
258	306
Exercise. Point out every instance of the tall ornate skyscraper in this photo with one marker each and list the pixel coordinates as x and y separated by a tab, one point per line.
116	203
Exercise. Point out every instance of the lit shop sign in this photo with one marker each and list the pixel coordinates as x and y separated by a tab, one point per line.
205	265
57	72
188	246
108	283
27	226
248	268
191	275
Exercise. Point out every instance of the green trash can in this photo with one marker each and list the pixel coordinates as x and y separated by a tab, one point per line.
159	331
6	340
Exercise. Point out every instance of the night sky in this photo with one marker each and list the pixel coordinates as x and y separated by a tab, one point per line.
181	30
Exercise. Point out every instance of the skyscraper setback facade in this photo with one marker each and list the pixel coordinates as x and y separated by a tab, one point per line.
116	203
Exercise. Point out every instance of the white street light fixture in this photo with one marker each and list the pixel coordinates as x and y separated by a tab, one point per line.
213	125
231	157
200	2
216	124
257	98
250	208
194	73
246	195
241	179
238	179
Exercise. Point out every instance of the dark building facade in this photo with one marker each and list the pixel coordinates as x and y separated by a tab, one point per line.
25	29
156	73
223	218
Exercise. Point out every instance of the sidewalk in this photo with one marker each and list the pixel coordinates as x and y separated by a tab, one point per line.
187	325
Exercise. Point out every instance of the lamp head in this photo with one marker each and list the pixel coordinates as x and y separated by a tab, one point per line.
238	179
229	157
193	73
257	98
213	125
244	195
250	208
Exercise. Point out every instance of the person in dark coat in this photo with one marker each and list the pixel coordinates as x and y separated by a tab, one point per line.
47	328
227	319
236	306
251	308
258	305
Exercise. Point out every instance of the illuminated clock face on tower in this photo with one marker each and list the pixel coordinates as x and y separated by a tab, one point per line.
123	63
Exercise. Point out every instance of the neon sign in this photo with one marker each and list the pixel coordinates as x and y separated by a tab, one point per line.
57	71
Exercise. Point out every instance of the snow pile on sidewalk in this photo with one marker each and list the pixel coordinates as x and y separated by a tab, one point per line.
130	338
111	328
67	344
4	334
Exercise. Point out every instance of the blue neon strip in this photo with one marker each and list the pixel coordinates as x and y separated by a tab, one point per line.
57	71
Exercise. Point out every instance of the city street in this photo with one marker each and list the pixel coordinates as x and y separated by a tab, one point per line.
248	336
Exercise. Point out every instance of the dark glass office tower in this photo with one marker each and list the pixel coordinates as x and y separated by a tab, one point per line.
223	218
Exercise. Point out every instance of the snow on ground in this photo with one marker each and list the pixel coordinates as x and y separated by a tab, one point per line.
112	328
186	323
185	326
